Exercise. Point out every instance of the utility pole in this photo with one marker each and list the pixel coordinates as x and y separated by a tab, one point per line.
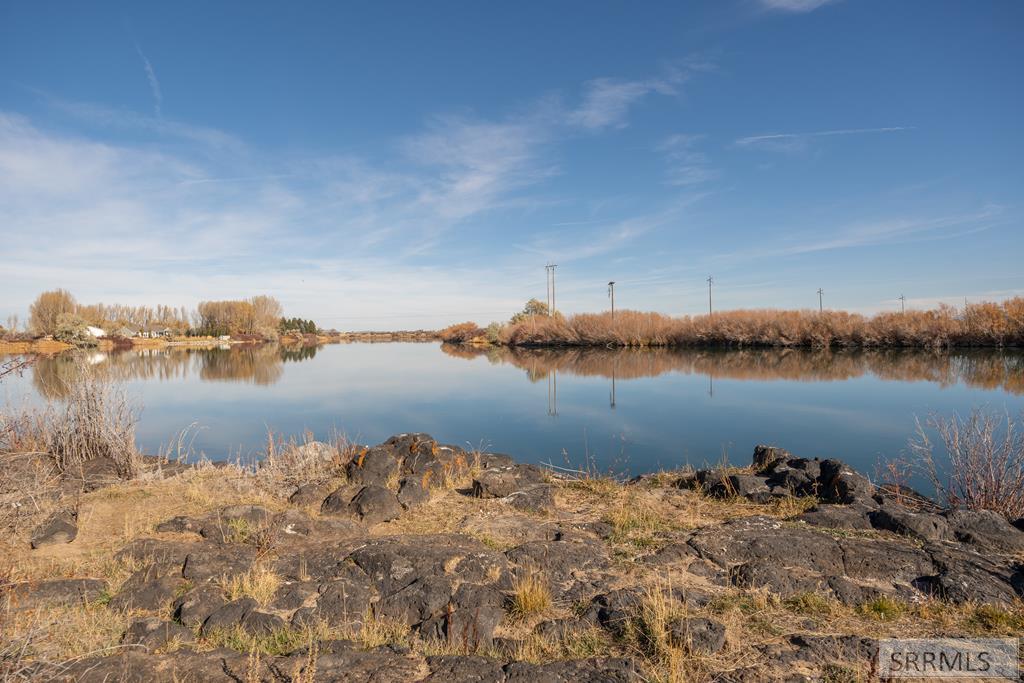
710	281
547	282
820	309
903	304
611	294
551	309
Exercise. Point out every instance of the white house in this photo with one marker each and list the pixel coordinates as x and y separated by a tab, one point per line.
95	332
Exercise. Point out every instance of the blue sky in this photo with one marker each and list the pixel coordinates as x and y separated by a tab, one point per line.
392	165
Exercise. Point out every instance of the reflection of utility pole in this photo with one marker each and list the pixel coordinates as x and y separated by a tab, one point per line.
710	280
711	385
553	393
903	304
819	300
612	398
611	294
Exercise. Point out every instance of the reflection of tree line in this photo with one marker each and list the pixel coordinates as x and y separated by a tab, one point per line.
977	368
255	363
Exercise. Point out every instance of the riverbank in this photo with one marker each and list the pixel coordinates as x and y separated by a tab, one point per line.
414	560
986	324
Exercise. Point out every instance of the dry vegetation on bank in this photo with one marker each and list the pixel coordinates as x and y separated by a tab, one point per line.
983	324
54	462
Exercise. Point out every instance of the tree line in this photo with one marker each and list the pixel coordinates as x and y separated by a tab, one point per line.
58	312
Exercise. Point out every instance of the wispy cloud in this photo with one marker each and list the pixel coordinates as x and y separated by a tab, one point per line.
154	84
872	234
791	141
606	101
794	5
686	166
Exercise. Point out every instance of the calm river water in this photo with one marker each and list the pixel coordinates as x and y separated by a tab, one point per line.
630	411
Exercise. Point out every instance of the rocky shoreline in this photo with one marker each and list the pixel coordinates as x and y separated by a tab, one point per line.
418	561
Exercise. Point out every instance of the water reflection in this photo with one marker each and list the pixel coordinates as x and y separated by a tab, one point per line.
983	369
260	364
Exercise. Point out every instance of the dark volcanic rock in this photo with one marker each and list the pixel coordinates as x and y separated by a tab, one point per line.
32	594
261	623
153	633
412	493
592	670
61	527
375	466
375	504
838	483
922	525
964	576
392	563
337	502
838	516
766	457
469	668
539	498
560	562
747	486
193	608
311	494
986	529
697	634
210	560
148	589
228	615
498	482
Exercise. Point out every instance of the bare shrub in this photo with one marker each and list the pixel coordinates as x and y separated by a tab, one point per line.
461	332
982	324
985	456
98	421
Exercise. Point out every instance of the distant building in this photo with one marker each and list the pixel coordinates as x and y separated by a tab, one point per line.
95	332
126	332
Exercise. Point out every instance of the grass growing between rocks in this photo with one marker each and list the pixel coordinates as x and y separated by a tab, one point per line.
530	596
259	583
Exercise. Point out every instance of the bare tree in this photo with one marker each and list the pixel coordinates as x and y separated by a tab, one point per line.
48	307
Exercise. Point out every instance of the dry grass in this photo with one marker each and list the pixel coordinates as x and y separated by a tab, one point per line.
530	595
282	641
259	583
983	324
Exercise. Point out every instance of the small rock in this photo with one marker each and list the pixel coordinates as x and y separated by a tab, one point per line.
538	498
375	504
61	527
697	634
412	493
498	482
228	615
310	494
766	457
193	608
261	623
337	503
154	633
